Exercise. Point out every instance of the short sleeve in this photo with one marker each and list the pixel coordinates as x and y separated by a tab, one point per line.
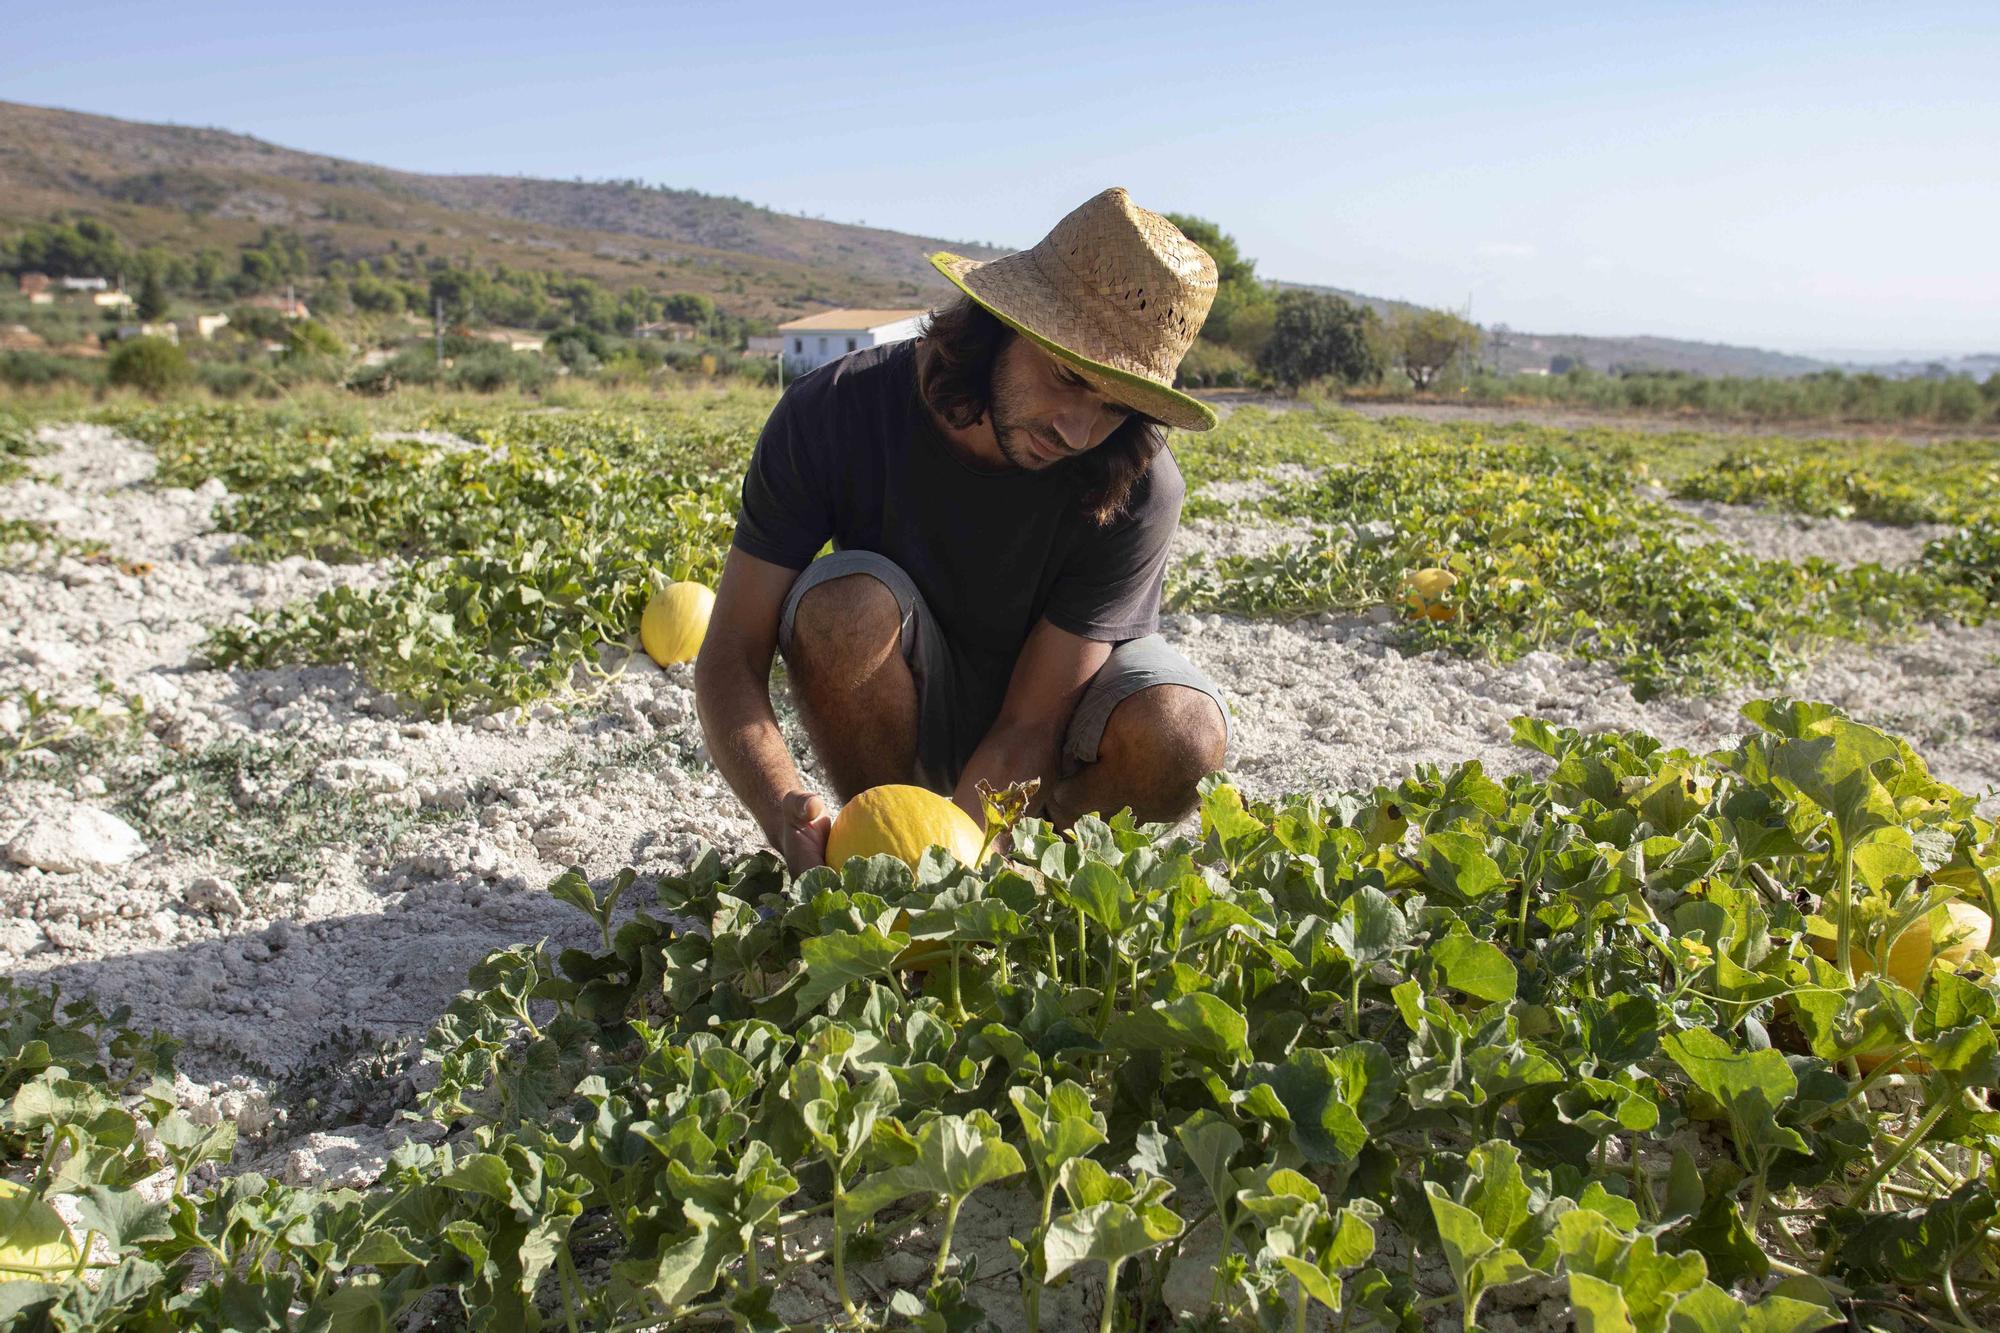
1109	587
786	514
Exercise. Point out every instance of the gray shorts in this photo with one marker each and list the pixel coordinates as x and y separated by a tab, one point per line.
956	704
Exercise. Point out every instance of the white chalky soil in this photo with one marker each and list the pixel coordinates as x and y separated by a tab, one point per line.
446	832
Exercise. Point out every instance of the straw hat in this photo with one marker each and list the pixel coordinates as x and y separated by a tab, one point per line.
1116	291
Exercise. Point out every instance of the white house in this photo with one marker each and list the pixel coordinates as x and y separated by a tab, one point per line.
817	339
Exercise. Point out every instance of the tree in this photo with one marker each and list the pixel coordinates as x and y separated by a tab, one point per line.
1427	341
1315	335
152	298
308	338
1238	290
375	296
150	365
211	270
690	308
85	248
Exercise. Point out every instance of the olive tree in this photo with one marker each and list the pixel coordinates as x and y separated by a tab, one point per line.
1426	341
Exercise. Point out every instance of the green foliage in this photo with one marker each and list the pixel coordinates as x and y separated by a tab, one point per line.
1829	395
151	365
1317	336
518	560
1553	549
1968	558
17	444
84	248
492	368
1488	1037
1879	481
1210	365
1239	316
307	338
1425	342
29	369
152	303
37	730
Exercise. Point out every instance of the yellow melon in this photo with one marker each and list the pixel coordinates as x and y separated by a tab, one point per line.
903	821
35	1244
675	622
1425	593
1911	958
1911	955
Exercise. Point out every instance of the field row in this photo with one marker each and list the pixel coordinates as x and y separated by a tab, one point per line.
1384	1056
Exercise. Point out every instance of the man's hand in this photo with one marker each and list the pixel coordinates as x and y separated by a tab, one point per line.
807	825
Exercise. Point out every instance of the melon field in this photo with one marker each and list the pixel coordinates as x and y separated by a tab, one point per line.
1594	933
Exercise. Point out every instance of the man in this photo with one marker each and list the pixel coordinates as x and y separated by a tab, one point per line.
1001	503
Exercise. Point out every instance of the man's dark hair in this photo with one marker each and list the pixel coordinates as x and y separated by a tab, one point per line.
955	362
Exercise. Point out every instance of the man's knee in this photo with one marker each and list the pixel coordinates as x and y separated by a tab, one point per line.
1175	732
845	626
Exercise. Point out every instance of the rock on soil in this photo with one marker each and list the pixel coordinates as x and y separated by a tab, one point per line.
71	839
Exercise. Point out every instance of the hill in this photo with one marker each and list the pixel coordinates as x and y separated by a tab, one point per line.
1515	350
183	187
178	185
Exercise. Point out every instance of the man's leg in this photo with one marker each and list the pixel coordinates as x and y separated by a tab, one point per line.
854	689
1150	727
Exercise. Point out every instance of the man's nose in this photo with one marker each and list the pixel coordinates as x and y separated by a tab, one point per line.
1075	426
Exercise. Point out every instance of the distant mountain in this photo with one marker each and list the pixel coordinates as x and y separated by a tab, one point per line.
1978	366
176	184
185	188
1516	350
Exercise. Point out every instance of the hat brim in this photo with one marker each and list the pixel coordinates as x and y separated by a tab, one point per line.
1159	401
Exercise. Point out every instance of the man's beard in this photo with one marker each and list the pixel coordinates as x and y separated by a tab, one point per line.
1011	431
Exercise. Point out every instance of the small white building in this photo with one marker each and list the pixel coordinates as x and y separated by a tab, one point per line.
85	284
113	300
514	340
817	339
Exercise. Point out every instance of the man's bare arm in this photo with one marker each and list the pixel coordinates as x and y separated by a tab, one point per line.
732	692
1025	740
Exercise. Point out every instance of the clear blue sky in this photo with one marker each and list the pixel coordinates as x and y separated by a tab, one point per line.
1805	175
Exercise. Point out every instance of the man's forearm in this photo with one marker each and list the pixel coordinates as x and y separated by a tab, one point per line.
1008	754
748	749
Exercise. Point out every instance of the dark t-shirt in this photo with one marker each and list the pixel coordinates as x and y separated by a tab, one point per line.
850	453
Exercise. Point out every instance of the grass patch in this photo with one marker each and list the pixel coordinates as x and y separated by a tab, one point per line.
40	732
252	805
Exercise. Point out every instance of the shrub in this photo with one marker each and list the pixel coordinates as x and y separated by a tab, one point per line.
1315	335
309	337
29	368
225	379
493	368
150	365
1209	365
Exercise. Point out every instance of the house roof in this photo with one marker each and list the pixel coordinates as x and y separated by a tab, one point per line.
847	319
